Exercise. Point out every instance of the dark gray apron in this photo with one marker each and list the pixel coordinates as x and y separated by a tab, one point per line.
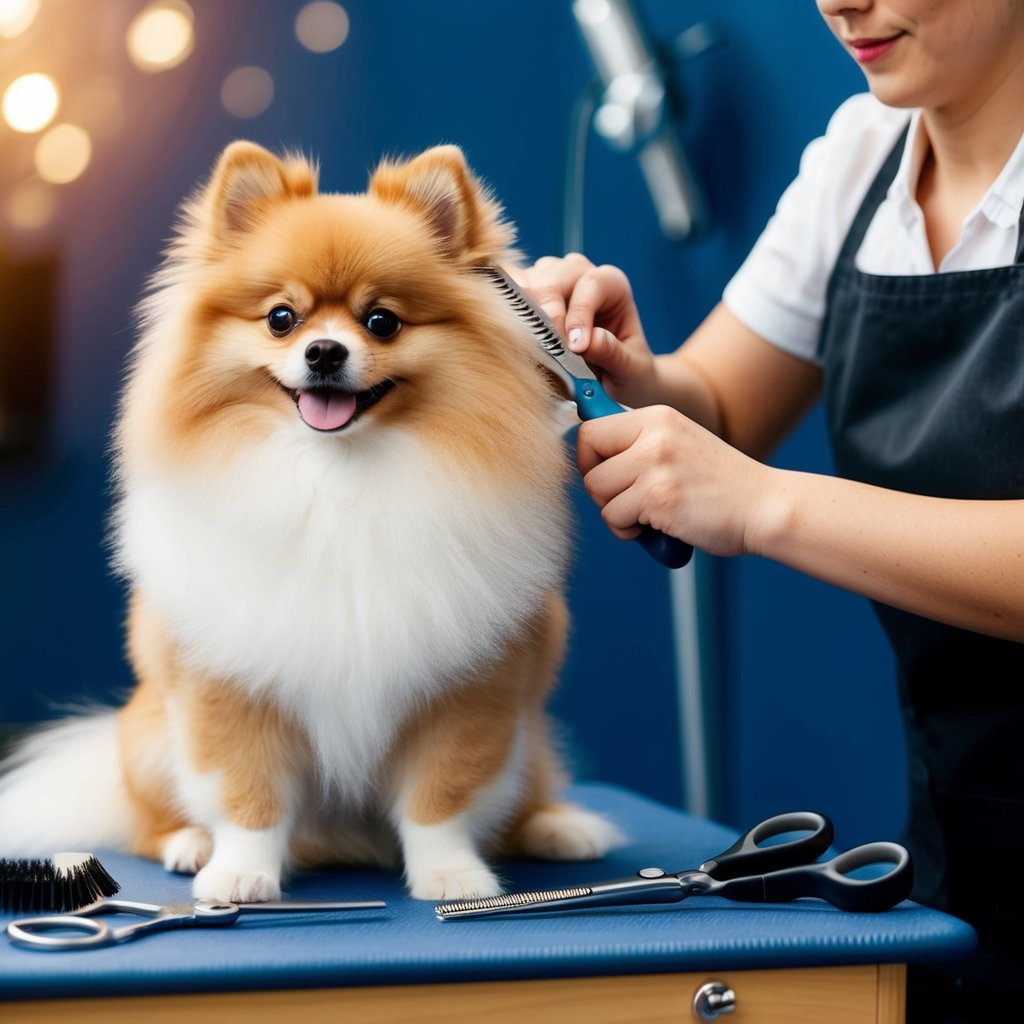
924	392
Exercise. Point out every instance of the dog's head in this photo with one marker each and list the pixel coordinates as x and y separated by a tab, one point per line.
335	311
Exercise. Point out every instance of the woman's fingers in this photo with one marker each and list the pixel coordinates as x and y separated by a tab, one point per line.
602	296
654	467
593	308
551	282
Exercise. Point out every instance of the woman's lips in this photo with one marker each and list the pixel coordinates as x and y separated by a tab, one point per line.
867	50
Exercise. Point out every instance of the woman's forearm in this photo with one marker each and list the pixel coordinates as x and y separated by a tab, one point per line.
957	561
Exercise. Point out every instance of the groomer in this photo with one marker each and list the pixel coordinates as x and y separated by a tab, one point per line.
891	281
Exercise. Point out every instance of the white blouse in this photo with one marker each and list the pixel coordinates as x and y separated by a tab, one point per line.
779	291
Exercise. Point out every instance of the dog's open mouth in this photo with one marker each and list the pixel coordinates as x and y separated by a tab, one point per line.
329	409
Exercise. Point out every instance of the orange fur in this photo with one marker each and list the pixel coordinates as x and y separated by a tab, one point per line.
460	743
247	744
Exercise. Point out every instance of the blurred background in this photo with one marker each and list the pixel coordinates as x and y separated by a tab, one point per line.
733	688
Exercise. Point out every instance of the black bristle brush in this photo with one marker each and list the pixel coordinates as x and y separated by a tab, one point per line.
61	883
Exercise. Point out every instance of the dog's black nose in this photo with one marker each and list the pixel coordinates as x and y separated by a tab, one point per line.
325	356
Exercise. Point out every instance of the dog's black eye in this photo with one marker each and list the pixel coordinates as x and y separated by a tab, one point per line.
382	323
282	320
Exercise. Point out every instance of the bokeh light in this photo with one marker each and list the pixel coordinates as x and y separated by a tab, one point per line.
30	103
31	205
247	92
322	26
63	153
16	16
161	35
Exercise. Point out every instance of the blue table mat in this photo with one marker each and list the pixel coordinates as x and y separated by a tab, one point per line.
404	943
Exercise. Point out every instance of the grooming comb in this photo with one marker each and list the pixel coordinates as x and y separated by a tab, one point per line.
64	882
585	390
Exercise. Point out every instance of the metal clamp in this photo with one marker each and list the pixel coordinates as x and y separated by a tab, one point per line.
713	999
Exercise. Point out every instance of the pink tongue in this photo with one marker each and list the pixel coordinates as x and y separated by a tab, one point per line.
326	410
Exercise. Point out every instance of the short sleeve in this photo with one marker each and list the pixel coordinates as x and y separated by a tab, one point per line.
779	291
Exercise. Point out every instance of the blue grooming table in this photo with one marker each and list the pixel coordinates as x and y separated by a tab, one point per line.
404	952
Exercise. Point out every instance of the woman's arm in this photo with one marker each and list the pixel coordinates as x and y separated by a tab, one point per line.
753	392
957	561
698	476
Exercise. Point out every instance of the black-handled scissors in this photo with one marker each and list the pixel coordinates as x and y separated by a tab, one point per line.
747	871
81	930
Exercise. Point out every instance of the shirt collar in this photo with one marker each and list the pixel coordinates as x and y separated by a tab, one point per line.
904	184
1001	204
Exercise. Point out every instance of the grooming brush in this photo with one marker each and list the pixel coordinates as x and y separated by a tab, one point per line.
64	882
583	388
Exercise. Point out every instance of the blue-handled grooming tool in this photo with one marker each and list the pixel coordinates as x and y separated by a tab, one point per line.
585	390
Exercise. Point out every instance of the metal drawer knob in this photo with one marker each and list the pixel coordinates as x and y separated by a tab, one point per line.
713	999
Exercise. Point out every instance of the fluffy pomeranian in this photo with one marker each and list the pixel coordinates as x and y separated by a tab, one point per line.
342	512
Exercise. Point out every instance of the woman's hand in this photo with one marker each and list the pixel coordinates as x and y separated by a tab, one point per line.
655	467
593	307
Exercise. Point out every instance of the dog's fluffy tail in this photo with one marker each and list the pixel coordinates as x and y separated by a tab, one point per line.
63	789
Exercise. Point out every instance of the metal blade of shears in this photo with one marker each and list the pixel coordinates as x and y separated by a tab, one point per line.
578	380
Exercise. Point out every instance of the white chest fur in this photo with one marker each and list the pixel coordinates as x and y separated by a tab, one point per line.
346	579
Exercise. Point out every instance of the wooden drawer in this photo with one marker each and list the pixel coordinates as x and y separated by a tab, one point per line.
839	995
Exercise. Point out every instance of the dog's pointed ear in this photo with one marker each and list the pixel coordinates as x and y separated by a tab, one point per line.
465	219
246	181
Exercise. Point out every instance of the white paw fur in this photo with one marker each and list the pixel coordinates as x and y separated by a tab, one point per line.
567	832
453	882
233	887
246	864
187	850
442	863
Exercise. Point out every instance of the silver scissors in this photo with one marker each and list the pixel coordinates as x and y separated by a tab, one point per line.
81	930
747	871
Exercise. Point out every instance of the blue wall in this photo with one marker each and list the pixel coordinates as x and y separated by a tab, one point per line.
807	713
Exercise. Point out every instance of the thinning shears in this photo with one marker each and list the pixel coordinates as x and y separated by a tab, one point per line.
582	387
747	871
81	930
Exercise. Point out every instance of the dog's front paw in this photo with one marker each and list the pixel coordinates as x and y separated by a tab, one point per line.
187	850
235	887
442	861
453	883
565	832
